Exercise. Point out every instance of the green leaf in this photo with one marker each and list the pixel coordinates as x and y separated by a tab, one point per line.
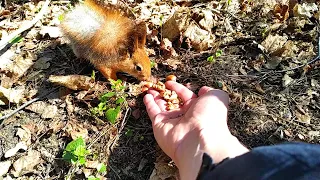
91	177
211	59
93	75
75	143
128	133
81	151
102	106
218	53
153	64
82	160
120	100
16	39
68	156
101	168
108	95
112	114
94	110
61	17
219	84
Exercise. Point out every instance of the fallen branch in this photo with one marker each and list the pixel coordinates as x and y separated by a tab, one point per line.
6	40
25	105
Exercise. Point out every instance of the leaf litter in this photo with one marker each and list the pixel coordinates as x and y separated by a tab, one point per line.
262	63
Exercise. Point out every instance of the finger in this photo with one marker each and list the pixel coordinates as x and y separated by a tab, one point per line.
151	106
183	92
216	96
204	90
158	99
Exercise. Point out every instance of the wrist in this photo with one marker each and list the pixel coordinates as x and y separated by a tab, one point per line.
188	156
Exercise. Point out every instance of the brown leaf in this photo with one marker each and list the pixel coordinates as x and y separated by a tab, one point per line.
274	43
13	95
200	39
303	118
177	24
74	82
259	89
4	167
75	130
25	164
172	63
11	152
167	49
281	12
24	135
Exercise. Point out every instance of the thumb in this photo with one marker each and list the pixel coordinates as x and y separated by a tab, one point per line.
204	90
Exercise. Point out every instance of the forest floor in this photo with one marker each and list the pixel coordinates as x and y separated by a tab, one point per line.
265	54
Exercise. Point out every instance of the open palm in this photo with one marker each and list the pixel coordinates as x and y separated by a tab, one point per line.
189	126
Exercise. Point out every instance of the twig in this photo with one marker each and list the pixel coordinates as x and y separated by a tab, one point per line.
121	128
241	20
114	171
6	40
25	105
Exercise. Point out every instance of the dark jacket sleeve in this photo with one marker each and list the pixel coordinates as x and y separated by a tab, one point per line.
285	161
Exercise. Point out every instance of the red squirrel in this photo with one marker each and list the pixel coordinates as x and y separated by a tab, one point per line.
111	41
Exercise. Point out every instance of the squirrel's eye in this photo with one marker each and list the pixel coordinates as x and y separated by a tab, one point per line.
138	68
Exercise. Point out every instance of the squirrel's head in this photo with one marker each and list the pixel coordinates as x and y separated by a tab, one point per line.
137	60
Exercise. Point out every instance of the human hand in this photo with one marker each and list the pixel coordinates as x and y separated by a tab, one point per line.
199	126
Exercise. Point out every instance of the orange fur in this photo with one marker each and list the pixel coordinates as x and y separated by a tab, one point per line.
111	41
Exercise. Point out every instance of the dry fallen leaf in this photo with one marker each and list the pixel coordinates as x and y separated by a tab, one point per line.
200	39
46	111
305	10
74	82
13	95
177	24
167	49
303	118
76	130
281	12
274	43
286	80
25	164
24	135
20	65
4	167
172	63
11	152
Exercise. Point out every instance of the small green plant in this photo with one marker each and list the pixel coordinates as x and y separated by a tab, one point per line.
61	17
128	133
212	58
93	75
91	177
101	168
111	102
153	63
76	152
229	2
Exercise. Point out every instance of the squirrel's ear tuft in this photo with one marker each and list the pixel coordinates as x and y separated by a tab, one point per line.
141	33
